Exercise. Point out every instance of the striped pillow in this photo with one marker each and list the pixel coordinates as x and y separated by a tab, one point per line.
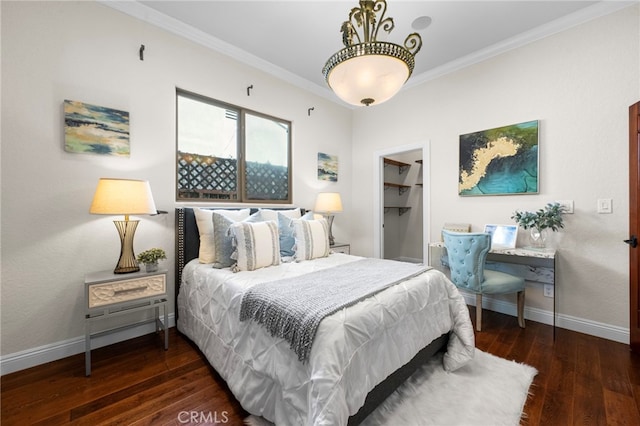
257	245
312	238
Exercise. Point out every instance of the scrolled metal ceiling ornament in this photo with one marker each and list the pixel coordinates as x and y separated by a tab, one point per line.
369	71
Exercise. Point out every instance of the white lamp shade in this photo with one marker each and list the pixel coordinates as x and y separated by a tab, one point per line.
328	202
123	196
377	77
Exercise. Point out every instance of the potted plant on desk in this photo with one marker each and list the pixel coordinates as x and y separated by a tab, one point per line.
150	258
550	217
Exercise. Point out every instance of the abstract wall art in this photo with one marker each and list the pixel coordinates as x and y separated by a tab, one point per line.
327	167
93	129
499	161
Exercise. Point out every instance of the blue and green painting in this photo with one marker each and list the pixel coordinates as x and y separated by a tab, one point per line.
327	167
499	161
94	129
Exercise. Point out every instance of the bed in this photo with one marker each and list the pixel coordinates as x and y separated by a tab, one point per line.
359	355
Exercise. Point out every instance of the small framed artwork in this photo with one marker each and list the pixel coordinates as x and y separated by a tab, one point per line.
93	129
499	161
327	167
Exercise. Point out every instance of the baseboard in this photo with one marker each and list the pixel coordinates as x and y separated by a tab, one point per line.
47	353
55	351
581	325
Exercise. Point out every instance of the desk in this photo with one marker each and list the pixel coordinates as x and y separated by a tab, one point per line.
537	265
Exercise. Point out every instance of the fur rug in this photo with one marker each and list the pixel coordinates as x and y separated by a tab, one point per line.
487	391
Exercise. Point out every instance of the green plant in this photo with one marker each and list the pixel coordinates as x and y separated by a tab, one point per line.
549	217
151	256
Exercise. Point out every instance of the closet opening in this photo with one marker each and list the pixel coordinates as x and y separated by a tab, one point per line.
401	203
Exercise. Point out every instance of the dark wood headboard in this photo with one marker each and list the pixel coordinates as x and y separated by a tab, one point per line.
188	238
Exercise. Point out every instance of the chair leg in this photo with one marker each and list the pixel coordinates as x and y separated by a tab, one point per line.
479	312
521	309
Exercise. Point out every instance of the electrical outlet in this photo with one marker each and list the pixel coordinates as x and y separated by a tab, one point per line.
548	290
567	205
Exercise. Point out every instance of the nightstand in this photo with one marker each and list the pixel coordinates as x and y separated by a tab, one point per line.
341	248
108	295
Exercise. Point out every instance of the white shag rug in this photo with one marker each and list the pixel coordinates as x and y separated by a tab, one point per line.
487	391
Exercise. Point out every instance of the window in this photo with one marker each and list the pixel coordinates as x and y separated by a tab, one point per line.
228	153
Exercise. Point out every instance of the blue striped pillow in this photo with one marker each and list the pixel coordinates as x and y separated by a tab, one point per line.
257	245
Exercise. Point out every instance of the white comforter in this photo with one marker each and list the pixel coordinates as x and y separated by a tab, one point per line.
354	349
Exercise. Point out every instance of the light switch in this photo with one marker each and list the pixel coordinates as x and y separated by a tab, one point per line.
605	205
567	206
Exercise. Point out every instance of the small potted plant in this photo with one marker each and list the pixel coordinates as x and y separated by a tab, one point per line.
151	257
550	217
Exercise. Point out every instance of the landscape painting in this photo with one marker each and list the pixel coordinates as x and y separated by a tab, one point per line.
94	129
499	161
327	167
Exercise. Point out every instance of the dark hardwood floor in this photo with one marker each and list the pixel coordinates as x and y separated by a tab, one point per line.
582	380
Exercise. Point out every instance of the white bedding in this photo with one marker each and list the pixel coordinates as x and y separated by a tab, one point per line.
354	349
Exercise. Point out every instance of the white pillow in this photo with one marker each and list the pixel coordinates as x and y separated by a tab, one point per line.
268	214
205	229
312	239
257	245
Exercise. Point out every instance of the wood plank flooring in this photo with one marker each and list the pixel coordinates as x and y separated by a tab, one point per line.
582	380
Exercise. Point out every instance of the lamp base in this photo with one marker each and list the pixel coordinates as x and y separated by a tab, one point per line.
329	218
127	262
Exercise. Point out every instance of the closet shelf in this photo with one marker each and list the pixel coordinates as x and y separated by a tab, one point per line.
402	167
401	188
401	210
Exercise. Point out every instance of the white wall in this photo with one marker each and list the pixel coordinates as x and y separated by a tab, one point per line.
579	84
85	51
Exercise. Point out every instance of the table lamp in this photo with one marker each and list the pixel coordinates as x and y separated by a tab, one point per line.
328	203
127	197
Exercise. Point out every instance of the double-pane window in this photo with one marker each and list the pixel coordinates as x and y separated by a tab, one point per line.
227	153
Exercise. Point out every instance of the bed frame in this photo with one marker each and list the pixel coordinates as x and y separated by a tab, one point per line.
187	248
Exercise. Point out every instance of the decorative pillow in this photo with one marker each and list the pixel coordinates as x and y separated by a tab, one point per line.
287	241
257	245
312	239
286	236
268	214
223	239
205	229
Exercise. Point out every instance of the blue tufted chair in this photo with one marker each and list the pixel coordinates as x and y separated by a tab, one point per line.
467	253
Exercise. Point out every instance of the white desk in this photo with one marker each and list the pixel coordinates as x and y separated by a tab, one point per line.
537	265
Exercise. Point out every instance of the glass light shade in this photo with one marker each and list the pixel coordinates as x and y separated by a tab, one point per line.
368	79
328	202
123	196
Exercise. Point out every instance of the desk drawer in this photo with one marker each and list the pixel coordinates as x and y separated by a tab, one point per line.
126	290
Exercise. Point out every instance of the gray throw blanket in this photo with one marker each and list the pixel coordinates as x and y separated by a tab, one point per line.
292	308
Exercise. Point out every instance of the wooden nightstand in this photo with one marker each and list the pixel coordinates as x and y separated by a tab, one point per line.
341	248
108	295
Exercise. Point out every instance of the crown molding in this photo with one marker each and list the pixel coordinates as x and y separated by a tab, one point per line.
556	26
172	25
153	17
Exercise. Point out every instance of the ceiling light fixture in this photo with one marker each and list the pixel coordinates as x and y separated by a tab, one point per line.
368	71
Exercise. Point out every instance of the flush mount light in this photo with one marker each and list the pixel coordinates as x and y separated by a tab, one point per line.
368	71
